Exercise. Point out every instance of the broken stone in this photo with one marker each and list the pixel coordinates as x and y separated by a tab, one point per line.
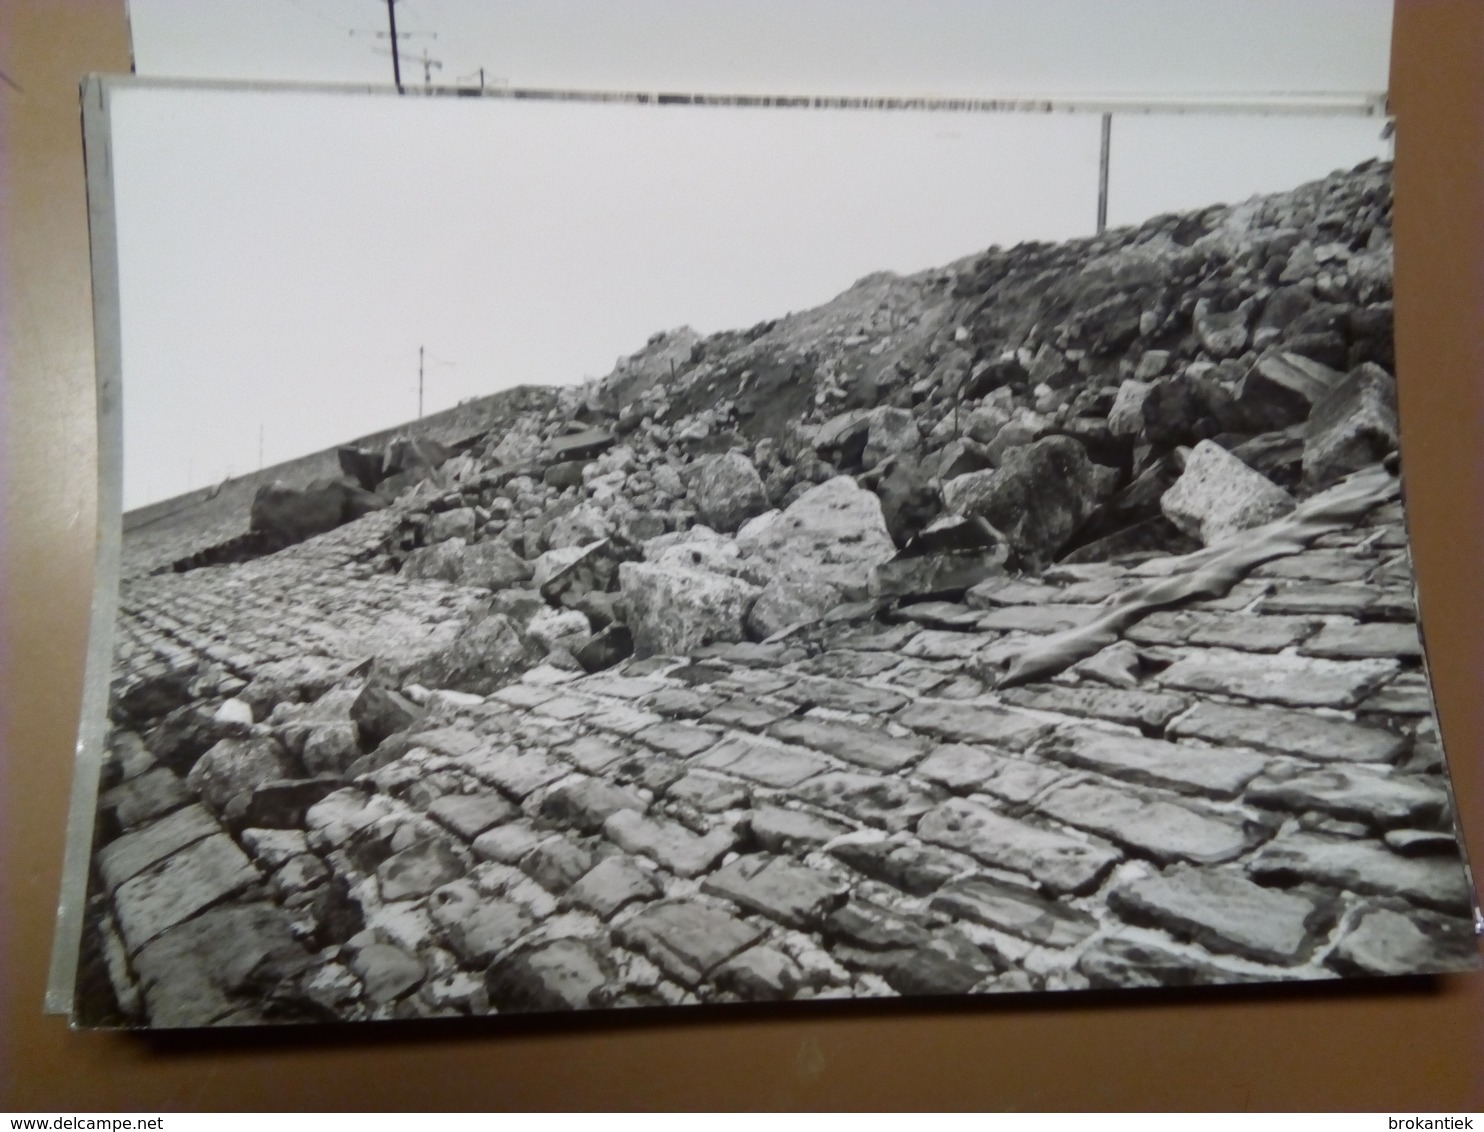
1037	498
1352	427
143	798
676	611
233	768
485	655
469	815
1218	496
890	803
1149	711
729	491
131	854
834	532
760	974
1292	681
783	604
556	863
966	723
1223	334
948	964
1117	961
797	832
386	972
586	803
779	767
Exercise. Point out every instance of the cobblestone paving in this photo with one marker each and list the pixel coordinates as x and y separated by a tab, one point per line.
1243	788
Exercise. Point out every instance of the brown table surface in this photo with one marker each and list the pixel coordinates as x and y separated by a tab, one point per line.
1384	1045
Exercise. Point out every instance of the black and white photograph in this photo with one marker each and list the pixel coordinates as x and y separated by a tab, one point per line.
983	570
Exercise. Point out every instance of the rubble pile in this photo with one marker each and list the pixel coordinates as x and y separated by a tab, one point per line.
1040	622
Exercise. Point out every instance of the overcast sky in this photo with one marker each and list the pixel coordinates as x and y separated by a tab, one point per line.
284	255
945	47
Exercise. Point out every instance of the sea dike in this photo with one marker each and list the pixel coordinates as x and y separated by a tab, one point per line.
1040	622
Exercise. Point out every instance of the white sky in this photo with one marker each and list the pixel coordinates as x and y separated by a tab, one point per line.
283	255
944	47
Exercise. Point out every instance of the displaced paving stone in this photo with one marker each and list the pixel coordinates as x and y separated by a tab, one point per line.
564	974
1015	910
834	532
610	885
680	703
475	927
1219	772
686	939
131	854
1299	733
948	964
1118	961
674	610
968	723
865	746
1352	793
233	768
1060	863
780	830
1422	842
1283	679
1364	866
1149	711
1352	426
584	804
1223	630
1379	639
1150	827
1224	911
779	767
669	843
779	888
273	848
863	923
1407	694
1388	942
418	870
338	817
386	972
1218	496
887	802
179	886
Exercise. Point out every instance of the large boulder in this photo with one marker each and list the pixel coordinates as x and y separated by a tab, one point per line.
892	432
728	491
443	562
226	775
834	532
785	603
286	515
485	656
1352	426
673	611
492	565
1223	333
1218	496
1038	497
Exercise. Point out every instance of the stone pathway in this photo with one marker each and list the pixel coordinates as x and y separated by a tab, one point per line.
1241	788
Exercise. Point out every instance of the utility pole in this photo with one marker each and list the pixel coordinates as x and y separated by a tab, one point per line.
391	15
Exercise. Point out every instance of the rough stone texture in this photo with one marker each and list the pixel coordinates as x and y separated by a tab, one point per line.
729	492
1111	763
834	532
676	611
1218	496
1038	496
1352	426
1225	911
